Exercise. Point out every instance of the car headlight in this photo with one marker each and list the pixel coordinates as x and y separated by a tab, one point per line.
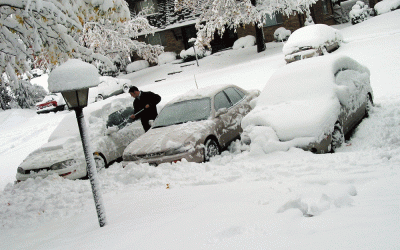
184	148
62	164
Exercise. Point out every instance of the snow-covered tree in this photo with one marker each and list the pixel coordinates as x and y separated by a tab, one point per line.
47	32
116	40
217	15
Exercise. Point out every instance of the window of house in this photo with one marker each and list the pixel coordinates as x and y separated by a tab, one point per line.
155	39
273	20
325	7
149	5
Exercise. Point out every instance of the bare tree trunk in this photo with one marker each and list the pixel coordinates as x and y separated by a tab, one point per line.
259	34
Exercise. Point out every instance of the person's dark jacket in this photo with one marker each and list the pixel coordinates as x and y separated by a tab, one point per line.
140	102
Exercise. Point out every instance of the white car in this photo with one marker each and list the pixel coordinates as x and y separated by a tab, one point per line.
52	102
110	86
110	131
311	104
310	41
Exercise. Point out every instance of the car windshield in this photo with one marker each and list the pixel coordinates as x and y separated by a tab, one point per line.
185	111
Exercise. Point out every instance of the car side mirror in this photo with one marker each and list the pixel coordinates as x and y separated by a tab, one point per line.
221	112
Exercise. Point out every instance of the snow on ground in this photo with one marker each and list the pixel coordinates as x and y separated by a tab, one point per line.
239	200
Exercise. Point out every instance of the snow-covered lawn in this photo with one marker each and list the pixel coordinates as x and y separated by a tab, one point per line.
240	200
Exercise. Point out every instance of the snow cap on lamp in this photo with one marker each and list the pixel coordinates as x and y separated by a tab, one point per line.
73	75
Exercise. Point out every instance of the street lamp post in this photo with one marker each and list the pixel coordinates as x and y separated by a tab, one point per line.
73	79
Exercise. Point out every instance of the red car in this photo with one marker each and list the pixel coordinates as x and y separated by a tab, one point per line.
53	102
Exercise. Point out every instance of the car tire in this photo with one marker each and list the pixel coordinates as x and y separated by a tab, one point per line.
100	162
99	98
211	149
337	137
369	106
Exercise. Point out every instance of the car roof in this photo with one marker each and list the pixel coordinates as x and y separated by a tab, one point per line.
306	79
209	91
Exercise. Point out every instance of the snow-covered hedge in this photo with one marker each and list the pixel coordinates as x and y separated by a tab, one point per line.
166	57
189	54
386	6
281	34
244	42
359	12
137	65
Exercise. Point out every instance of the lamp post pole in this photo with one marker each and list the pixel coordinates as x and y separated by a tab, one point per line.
91	167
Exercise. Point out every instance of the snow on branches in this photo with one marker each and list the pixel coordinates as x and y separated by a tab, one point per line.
48	32
217	15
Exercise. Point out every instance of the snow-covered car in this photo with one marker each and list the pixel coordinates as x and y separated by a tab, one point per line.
311	41
110	86
52	102
298	108
111	131
194	126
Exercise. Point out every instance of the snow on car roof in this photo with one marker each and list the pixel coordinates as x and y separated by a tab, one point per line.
302	99
208	91
306	79
312	35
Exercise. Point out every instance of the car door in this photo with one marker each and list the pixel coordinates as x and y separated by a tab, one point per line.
223	118
351	112
228	122
239	109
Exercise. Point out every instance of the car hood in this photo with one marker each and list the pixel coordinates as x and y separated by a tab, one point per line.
52	152
165	138
311	118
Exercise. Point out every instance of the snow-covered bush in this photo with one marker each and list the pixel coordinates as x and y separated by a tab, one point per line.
386	6
137	65
166	57
244	42
189	54
359	12
281	34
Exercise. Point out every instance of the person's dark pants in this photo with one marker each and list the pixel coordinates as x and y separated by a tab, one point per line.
145	124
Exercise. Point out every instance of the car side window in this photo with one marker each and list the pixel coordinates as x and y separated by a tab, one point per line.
233	95
119	118
221	101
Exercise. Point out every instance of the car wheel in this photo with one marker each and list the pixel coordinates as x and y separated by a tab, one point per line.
126	88
369	106
99	98
337	137
100	162
211	149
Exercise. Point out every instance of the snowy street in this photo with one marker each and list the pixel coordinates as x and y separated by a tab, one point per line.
239	200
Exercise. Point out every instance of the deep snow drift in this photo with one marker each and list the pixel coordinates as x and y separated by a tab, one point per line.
240	200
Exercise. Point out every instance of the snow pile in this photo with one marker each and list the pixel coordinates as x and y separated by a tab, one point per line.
166	57
386	6
315	36
137	65
281	34
244	42
73	74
